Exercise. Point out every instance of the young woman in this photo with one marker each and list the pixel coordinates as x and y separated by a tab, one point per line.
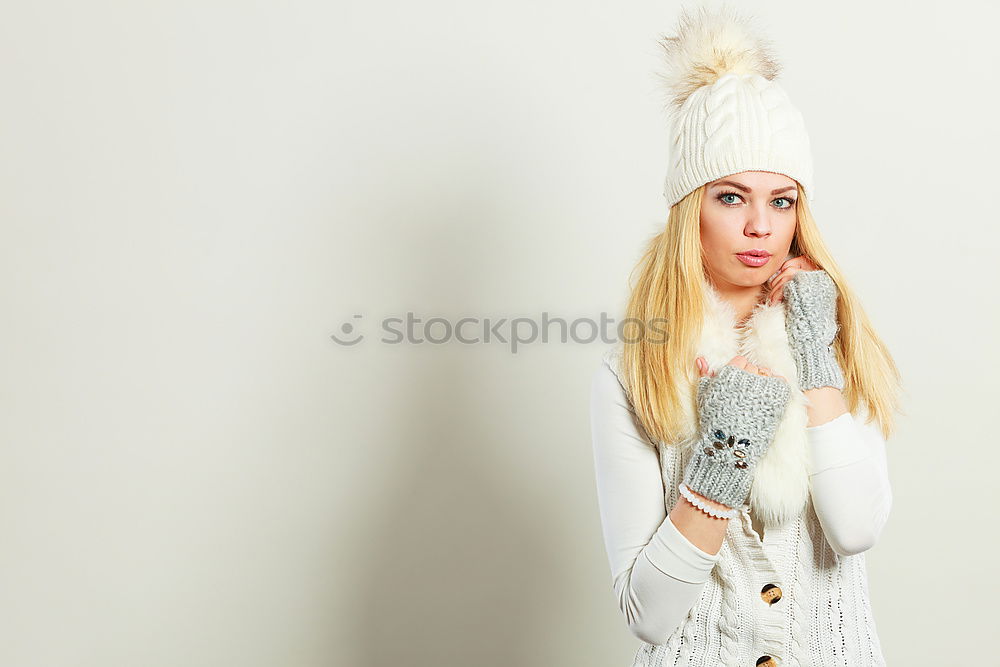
739	481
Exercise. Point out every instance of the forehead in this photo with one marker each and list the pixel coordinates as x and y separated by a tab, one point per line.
763	180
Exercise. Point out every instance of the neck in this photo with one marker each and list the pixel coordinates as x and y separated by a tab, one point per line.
742	299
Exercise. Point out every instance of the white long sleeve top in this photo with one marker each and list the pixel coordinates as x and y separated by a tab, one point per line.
661	579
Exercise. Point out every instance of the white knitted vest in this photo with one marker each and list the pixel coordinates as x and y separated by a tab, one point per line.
824	616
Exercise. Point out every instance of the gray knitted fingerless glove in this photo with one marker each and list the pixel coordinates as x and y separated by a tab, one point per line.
811	322
738	413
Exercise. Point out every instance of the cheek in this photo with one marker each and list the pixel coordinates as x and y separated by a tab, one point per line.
786	229
718	234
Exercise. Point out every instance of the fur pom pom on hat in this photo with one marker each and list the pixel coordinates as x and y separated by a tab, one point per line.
727	113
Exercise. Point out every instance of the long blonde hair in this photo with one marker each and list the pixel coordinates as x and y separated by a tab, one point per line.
669	289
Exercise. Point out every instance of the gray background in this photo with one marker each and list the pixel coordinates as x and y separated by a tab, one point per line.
195	195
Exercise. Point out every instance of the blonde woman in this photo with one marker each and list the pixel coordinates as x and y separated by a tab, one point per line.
739	444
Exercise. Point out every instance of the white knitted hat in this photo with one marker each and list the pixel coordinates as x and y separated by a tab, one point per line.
727	114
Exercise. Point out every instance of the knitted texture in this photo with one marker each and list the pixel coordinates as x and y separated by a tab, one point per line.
738	412
727	114
811	322
824	619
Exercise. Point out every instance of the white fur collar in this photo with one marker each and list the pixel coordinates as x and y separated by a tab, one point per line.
780	487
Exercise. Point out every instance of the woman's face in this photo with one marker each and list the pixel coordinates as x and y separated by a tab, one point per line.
752	210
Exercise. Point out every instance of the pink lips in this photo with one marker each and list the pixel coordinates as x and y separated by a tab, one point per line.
754	259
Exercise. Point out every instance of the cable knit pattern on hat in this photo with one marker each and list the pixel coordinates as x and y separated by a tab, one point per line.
727	114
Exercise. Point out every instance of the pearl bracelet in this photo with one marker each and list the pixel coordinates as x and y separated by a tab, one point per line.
700	504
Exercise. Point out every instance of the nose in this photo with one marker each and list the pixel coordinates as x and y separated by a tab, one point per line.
757	225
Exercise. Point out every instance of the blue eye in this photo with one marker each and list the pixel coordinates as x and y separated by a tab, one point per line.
724	197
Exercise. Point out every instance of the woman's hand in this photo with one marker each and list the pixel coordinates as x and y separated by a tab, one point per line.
739	409
740	362
810	298
776	283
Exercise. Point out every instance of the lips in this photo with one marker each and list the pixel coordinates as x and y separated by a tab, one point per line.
754	257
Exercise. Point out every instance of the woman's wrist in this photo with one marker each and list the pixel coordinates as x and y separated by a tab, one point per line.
817	366
705	505
824	405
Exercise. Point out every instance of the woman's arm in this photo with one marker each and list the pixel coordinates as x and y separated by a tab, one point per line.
657	571
849	475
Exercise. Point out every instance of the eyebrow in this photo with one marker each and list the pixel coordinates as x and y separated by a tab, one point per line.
744	188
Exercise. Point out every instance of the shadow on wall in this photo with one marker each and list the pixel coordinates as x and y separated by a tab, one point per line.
451	572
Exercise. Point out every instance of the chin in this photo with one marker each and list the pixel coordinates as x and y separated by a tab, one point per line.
748	281
741	275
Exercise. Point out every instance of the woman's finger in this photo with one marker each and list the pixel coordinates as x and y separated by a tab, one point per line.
702	366
778	287
773	280
739	361
777	294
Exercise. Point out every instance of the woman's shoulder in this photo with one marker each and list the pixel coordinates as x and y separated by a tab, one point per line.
611	389
612	358
611	376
